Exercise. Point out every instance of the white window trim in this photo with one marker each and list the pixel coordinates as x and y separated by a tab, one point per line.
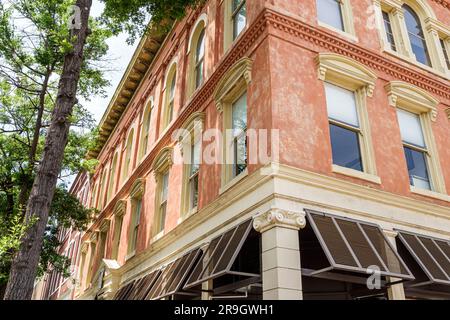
351	75
200	24
160	166
433	31
347	18
228	25
231	87
410	98
192	129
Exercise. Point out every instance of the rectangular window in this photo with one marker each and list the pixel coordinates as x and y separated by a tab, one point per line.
171	100
345	129
136	221
446	56
330	12
117	234
239	17
388	29
239	128
103	236
163	201
193	175
414	148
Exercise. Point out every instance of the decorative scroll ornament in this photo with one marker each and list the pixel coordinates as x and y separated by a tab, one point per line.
279	218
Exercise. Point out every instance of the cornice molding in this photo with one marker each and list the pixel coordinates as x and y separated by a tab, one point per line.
375	61
443	3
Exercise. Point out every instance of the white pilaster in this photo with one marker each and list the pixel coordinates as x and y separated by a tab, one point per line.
281	268
395	292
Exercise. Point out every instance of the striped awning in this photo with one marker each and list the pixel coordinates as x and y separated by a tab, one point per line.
355	247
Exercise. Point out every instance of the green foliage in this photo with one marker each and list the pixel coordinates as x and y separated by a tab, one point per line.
34	37
132	16
65	212
11	231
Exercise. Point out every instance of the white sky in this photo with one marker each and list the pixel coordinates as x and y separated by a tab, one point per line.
121	53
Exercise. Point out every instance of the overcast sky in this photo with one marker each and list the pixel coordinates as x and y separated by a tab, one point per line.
121	53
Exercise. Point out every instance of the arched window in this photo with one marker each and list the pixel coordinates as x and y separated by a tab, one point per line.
112	173
146	129
199	59
416	36
128	153
196	54
170	95
93	196
101	200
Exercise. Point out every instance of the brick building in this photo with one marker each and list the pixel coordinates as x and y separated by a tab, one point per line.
313	160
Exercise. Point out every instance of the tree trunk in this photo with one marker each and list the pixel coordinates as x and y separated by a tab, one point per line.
25	185
24	266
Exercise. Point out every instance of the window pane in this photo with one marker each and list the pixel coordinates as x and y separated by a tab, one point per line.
199	56
194	191
341	105
417	168
410	128
388	28
138	211
200	52
199	75
162	216
172	88
164	187
195	157
345	148
446	56
239	115
240	153
329	12
239	18
416	36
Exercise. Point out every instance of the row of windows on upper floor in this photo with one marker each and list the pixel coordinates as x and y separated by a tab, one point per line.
346	91
236	14
401	25
331	12
334	13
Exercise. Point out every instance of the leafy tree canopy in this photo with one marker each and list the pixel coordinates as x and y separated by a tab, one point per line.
132	16
34	38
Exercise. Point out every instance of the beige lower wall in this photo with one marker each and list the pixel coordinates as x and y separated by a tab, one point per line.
290	189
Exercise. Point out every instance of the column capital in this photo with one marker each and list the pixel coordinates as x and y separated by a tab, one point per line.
276	217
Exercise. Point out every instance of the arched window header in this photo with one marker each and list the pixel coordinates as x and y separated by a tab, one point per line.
163	160
409	96
240	74
120	208
171	71
336	68
138	188
199	24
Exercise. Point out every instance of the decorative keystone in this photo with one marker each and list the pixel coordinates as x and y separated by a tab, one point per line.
279	218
